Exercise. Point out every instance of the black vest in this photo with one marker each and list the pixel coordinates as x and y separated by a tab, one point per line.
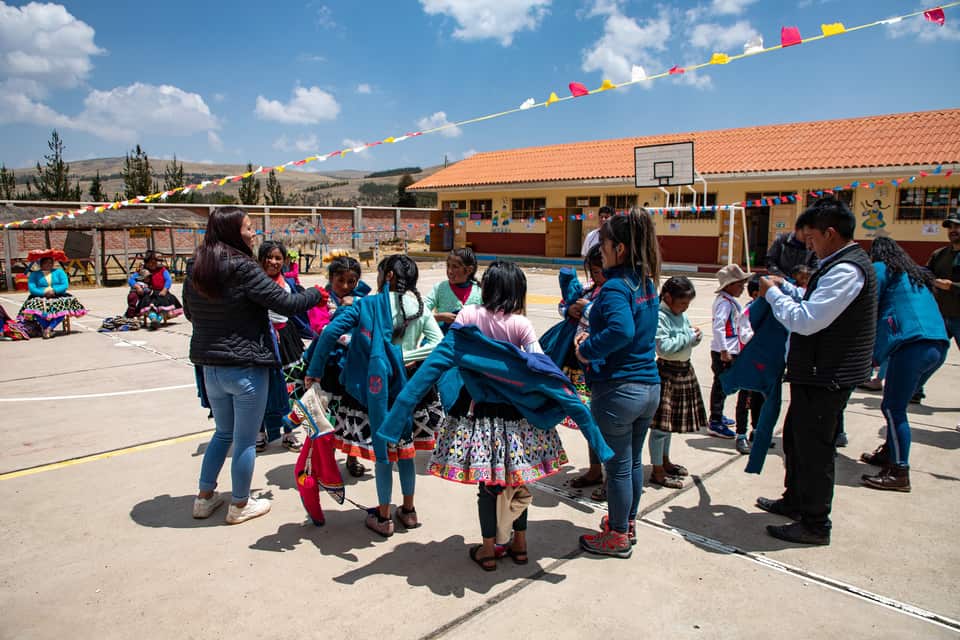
840	355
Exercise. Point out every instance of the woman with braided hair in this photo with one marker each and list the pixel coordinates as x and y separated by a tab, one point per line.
416	333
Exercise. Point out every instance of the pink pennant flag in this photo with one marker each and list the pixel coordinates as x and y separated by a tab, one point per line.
790	36
935	15
677	69
578	89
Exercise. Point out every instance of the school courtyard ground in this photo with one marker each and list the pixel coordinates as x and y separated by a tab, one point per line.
102	441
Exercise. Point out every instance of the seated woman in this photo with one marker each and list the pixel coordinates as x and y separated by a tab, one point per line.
48	303
151	287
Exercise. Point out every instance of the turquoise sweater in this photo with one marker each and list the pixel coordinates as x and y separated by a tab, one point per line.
675	337
442	299
38	282
904	314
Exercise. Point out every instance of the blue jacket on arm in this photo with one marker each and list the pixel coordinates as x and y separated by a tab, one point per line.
623	328
904	314
557	341
759	367
497	372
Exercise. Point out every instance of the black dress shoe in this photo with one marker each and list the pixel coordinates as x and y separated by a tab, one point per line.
798	533
777	507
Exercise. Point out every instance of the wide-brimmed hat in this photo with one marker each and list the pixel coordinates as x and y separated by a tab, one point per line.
730	274
952	218
40	254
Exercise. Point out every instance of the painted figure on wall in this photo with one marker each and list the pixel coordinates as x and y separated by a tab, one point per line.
873	212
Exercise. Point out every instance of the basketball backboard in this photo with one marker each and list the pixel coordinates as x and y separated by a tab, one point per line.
664	165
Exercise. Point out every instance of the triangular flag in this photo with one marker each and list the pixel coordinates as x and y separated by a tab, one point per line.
719	58
390	140
753	45
833	29
529	102
892	20
935	15
790	36
677	69
607	85
637	73
577	89
553	98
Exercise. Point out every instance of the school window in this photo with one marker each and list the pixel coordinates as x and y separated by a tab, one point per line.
622	203
926	203
523	208
687	200
453	205
578	202
481	209
844	195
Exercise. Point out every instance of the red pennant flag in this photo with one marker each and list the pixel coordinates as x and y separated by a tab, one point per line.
790	36
948	173
924	174
935	15
578	89
676	69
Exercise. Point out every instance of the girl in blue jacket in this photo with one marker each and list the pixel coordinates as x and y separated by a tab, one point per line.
912	340
622	373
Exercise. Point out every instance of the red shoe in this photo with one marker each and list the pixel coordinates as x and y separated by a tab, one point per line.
631	528
607	543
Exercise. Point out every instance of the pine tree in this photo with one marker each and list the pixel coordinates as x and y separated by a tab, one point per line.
136	174
96	190
8	183
250	188
274	195
405	199
53	180
173	179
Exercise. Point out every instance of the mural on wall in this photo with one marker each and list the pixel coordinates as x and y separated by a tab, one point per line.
873	214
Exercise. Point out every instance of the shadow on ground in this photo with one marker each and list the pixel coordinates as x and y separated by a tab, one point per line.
177	512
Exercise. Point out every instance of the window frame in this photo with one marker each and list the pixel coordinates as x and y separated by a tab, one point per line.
526	207
952	202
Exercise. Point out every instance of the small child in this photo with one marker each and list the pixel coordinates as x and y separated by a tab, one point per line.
724	348
291	266
801	275
681	404
459	290
755	398
343	278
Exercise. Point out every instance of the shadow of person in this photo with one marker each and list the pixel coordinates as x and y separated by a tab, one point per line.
418	562
177	512
281	477
340	535
939	438
557	487
709	443
725	523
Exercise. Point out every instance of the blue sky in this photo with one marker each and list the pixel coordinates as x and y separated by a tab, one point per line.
271	82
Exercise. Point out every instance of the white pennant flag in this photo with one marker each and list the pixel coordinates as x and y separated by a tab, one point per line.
753	45
528	103
637	73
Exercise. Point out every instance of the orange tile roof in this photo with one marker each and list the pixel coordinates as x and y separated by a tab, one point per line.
899	139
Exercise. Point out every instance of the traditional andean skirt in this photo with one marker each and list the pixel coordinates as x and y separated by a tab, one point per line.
681	403
583	391
47	309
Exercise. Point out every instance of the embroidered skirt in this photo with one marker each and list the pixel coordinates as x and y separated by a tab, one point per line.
290	344
681	403
495	447
167	305
580	384
51	308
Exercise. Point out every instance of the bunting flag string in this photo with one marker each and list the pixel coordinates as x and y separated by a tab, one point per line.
790	36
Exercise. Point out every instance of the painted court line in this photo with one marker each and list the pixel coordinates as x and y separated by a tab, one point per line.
51	466
99	395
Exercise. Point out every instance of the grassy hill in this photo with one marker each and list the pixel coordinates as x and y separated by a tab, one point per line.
333	188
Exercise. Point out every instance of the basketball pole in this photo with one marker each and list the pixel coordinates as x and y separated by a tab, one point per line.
746	243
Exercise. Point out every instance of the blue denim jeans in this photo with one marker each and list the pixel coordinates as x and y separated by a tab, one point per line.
623	412
908	368
238	398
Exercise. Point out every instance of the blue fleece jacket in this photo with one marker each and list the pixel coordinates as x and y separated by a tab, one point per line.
623	329
759	367
557	341
37	282
497	372
904	314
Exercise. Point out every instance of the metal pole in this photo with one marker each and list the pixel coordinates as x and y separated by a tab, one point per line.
173	249
357	221
126	252
730	238
8	258
396	222
97	257
746	244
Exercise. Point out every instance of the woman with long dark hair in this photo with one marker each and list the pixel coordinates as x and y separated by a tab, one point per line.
227	297
623	377
912	340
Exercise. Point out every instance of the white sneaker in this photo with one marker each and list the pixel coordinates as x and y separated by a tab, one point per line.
253	509
204	507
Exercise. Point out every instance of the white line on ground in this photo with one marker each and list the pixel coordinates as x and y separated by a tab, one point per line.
99	395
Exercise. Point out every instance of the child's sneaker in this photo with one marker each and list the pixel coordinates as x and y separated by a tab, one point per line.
290	442
374	523
607	543
743	447
720	430
204	507
727	422
253	509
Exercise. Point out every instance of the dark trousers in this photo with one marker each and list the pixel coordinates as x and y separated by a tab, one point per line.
756	405
487	508
717	396
809	434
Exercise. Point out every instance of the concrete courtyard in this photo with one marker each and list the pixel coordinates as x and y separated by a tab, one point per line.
104	437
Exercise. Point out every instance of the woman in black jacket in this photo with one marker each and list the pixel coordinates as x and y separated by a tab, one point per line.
226	298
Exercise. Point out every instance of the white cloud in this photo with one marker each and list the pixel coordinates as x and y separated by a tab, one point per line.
307	106
307	144
214	141
439	119
325	17
496	19
469	153
364	88
696	80
219	97
308	57
730	7
46	45
722	38
924	30
626	42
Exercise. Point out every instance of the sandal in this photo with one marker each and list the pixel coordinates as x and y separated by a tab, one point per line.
584	481
519	557
676	470
487	564
599	494
669	482
355	468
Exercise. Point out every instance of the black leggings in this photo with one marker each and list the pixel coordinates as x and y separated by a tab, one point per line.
487	508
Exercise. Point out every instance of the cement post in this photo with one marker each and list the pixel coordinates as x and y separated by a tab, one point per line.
355	241
8	258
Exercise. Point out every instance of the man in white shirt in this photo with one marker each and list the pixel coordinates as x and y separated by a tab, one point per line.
593	238
833	327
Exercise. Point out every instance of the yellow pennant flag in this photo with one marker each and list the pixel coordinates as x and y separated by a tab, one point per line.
281	169
553	98
607	85
832	29
719	58
390	140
